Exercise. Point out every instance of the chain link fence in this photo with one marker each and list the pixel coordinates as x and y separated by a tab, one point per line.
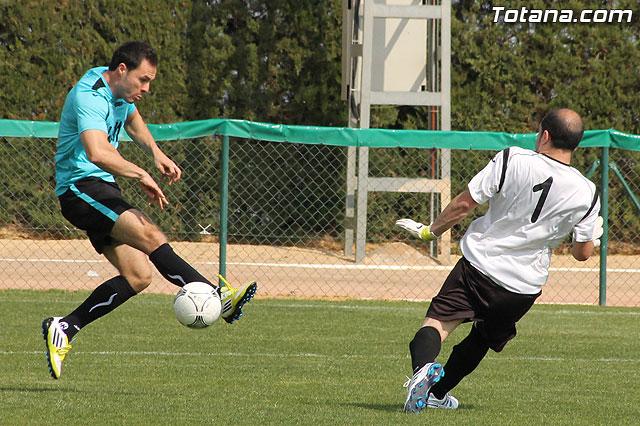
286	222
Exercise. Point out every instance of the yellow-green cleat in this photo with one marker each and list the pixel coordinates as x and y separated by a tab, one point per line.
57	345
233	299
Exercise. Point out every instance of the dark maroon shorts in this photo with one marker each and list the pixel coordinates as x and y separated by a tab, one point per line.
470	295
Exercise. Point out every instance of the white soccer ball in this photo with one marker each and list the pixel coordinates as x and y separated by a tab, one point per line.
197	305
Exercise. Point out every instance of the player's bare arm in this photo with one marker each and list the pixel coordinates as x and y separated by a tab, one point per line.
582	251
139	132
104	155
456	210
459	208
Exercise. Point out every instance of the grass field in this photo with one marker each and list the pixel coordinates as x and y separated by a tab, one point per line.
308	361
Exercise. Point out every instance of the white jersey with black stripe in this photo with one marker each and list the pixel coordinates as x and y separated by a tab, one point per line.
535	201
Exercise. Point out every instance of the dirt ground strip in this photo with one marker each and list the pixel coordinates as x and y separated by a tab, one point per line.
395	271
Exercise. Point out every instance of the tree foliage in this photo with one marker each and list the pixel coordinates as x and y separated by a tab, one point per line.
507	75
279	61
275	61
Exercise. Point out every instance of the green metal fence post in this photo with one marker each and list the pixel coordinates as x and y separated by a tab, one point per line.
224	206
604	212
593	168
626	186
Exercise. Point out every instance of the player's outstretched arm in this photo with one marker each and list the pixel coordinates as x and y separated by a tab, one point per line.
139	132
454	212
459	208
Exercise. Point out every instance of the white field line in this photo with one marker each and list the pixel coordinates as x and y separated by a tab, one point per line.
418	308
324	266
421	309
51	260
311	355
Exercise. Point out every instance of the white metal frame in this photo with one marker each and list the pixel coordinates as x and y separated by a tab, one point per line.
357	66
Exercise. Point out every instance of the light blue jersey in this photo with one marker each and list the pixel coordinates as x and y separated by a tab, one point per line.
90	105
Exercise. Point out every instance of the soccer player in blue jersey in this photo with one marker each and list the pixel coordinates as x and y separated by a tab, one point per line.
87	162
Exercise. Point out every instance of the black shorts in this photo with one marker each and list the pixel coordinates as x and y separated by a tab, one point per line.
470	295
94	205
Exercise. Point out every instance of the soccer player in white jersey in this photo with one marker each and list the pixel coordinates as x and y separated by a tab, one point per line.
87	162
535	200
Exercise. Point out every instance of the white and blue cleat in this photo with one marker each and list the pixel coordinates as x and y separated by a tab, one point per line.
419	385
447	402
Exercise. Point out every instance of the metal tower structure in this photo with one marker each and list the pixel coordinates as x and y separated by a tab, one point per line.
395	52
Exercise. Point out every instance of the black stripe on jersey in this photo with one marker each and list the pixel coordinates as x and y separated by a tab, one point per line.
557	161
593	204
98	84
505	158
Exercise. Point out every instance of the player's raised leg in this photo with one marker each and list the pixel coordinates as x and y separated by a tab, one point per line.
135	229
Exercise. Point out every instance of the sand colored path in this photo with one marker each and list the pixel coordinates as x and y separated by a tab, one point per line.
394	271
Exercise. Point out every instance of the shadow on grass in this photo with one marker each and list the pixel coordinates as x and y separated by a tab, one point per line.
397	407
378	407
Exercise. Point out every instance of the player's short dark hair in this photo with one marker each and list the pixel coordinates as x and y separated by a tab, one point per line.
132	53
565	128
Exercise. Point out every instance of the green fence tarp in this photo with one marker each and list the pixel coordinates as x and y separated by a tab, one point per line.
337	136
28	129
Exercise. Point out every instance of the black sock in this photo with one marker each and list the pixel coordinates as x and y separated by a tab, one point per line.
104	299
464	358
424	347
173	268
